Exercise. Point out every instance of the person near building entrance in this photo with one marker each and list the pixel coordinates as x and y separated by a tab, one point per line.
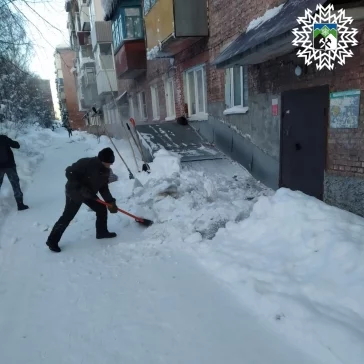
8	168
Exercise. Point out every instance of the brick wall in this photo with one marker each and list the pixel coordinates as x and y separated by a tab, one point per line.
67	57
226	23
345	153
345	147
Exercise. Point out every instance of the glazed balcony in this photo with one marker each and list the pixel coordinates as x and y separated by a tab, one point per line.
128	39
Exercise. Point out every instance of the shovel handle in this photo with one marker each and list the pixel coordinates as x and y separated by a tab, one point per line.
120	210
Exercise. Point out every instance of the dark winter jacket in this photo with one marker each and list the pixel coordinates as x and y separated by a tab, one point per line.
91	174
6	154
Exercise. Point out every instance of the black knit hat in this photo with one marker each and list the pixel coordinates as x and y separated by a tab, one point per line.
107	156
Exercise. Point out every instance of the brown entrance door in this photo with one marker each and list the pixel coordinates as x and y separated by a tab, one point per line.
303	140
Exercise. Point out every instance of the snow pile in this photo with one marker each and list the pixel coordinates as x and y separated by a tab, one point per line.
187	203
108	6
236	110
269	14
294	261
298	263
32	140
152	53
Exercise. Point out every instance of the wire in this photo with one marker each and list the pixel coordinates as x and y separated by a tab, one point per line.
40	32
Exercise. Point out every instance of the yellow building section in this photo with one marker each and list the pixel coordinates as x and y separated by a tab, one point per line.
159	23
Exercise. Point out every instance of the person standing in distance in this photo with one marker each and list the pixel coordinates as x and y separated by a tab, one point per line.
8	167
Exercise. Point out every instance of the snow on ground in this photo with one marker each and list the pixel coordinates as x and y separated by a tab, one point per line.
32	140
269	14
227	269
298	263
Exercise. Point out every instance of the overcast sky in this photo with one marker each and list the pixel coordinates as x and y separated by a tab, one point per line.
45	37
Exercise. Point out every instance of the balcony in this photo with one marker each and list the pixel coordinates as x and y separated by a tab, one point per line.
174	25
131	59
86	56
101	33
87	88
105	79
84	15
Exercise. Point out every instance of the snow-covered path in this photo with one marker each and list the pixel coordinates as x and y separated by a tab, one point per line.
122	301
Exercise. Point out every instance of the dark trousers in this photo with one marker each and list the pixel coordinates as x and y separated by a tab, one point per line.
70	133
70	212
14	180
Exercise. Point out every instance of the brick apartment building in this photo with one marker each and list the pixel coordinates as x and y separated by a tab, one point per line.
244	88
66	86
43	88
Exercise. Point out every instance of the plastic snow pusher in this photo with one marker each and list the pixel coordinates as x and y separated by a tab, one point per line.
140	220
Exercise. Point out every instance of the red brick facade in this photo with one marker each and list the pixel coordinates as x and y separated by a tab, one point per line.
345	148
226	23
75	116
345	151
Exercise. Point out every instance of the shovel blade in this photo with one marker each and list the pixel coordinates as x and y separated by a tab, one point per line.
144	222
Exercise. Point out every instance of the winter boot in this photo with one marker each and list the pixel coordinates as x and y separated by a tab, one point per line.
21	206
54	247
105	235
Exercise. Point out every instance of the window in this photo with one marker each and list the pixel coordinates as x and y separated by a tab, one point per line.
148	4
155	102
236	87
127	24
105	58
170	102
131	108
92	14
90	76
78	20
142	106
196	91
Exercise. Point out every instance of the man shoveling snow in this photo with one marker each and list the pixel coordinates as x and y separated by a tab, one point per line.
86	178
8	167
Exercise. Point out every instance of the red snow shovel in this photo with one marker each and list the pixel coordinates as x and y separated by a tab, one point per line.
140	220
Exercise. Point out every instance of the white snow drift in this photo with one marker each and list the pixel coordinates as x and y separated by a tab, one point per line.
293	262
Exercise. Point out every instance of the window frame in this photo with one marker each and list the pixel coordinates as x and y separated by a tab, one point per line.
142	107
100	61
92	13
118	26
131	108
170	98
232	88
148	8
231	108
195	70
154	90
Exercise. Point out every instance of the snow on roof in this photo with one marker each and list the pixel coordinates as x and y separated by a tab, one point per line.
269	14
108	6
152	54
63	46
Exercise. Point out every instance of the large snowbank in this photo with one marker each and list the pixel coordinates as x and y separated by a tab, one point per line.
295	261
32	141
298	263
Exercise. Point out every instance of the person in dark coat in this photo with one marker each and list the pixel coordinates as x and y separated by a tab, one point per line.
69	131
8	167
85	179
